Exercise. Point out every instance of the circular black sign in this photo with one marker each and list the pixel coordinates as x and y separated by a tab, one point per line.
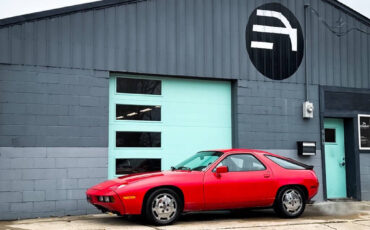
274	41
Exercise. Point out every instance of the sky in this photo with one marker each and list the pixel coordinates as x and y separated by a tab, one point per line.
10	8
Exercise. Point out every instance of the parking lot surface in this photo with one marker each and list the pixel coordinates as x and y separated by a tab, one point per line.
328	215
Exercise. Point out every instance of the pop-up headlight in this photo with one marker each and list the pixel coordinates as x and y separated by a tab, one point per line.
121	186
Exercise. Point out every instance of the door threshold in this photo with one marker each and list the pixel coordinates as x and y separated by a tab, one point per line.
347	199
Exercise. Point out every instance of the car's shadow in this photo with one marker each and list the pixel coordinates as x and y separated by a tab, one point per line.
244	214
211	216
228	215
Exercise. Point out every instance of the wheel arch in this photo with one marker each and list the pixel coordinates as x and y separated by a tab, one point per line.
300	186
172	187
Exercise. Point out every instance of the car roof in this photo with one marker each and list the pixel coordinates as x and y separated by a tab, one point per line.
260	153
253	151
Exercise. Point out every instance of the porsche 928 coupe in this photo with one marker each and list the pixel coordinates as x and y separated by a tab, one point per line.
211	180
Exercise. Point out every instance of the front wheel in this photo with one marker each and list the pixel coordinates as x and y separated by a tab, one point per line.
290	202
163	207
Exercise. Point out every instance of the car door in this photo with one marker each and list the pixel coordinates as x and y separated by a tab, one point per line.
244	185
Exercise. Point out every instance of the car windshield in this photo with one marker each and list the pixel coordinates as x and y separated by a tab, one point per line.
199	161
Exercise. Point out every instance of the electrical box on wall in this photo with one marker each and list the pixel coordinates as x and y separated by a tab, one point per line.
306	148
307	109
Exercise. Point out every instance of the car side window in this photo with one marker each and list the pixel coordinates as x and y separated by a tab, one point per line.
284	163
242	163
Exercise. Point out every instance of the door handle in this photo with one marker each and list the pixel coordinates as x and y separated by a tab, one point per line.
343	163
266	175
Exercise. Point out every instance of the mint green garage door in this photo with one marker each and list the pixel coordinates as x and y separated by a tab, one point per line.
156	122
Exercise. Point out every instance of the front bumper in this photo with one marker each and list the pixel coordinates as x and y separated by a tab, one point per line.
116	206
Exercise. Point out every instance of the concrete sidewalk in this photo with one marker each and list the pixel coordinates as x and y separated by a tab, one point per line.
328	215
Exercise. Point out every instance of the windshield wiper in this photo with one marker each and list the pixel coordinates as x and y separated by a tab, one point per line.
183	168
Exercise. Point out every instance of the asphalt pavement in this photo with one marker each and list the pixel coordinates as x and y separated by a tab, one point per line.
327	215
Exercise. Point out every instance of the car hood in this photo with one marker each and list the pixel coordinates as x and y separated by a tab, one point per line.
137	177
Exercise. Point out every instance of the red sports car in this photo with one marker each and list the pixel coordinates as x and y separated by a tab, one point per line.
211	180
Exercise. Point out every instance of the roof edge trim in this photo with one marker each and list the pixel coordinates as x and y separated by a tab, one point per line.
63	11
348	10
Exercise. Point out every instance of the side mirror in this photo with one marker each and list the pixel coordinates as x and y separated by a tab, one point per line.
221	169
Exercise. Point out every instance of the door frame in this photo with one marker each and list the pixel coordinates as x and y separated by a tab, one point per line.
350	138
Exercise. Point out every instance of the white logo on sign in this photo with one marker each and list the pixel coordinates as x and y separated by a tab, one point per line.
287	30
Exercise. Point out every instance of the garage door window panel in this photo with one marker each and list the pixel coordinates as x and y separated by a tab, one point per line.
139	86
138	112
138	139
137	165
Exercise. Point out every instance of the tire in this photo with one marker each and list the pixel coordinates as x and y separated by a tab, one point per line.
290	202
163	207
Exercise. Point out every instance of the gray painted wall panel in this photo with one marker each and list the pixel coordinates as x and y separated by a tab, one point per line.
110	38
364	57
208	46
76	40
171	37
191	38
121	41
53	42
17	43
4	55
145	34
132	37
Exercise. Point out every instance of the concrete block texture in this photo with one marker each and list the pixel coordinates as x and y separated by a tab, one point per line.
365	175
49	107
33	195
269	116
50	181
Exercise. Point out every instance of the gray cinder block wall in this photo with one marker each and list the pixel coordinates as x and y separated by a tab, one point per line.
48	181
53	107
269	117
365	175
56	122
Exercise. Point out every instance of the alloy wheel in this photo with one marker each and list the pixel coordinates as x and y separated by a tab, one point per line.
292	201
164	207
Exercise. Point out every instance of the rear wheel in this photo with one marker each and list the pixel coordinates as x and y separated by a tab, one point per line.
163	207
290	202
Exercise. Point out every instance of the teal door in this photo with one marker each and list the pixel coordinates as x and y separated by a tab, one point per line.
165	120
335	159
